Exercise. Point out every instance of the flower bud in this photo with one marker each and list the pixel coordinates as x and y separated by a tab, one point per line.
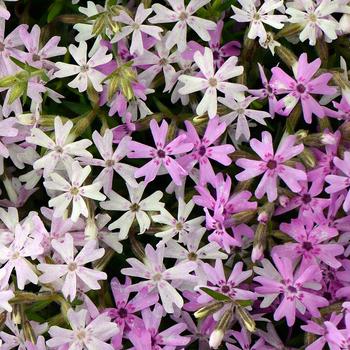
209	309
216	338
259	242
328	138
286	55
307	158
283	200
246	320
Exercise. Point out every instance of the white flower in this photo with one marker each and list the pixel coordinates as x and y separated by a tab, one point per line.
240	112
316	18
183	17
249	13
135	208
73	191
111	160
136	28
212	82
61	150
181	225
86	70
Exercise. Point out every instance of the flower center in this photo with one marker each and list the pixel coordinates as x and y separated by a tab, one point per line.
271	164
306	198
179	226
312	17
216	55
2	46
15	255
84	68
183	16
36	57
163	61
123	313
72	266
58	149
225	288
136	26
192	256
307	246
202	150
240	111
109	163
134	207
157	277
256	16
301	88
292	289
161	153
213	82
74	191
81	334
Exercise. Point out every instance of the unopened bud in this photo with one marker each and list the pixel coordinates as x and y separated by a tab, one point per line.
10	189
283	200
7	81
243	216
286	55
259	243
216	338
245	319
209	309
290	29
28	332
328	138
307	158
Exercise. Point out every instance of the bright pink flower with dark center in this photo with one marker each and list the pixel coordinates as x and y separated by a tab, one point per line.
161	154
203	151
272	165
302	88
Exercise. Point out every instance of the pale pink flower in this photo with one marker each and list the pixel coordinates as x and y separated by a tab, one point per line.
73	269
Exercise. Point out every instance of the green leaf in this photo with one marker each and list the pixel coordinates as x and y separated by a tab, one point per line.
216	295
54	10
244	303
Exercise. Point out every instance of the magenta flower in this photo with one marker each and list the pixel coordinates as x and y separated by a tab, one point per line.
340	182
220	53
161	155
150	338
297	289
302	88
202	150
123	314
311	245
272	165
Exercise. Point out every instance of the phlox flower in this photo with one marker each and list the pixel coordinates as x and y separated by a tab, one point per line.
272	165
16	257
5	296
244	339
340	182
149	337
180	226
310	244
136	27
111	160
315	17
212	82
161	155
184	17
240	112
157	276
123	314
204	150
297	289
39	56
85	334
302	88
135	208
4	12
73	269
60	149
85	69
7	129
74	191
257	18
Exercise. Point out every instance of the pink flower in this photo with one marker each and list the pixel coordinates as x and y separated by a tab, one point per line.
296	288
183	16
73	270
123	314
340	182
202	150
157	276
161	155
217	281
302	88
84	334
272	165
311	245
212	82
7	129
